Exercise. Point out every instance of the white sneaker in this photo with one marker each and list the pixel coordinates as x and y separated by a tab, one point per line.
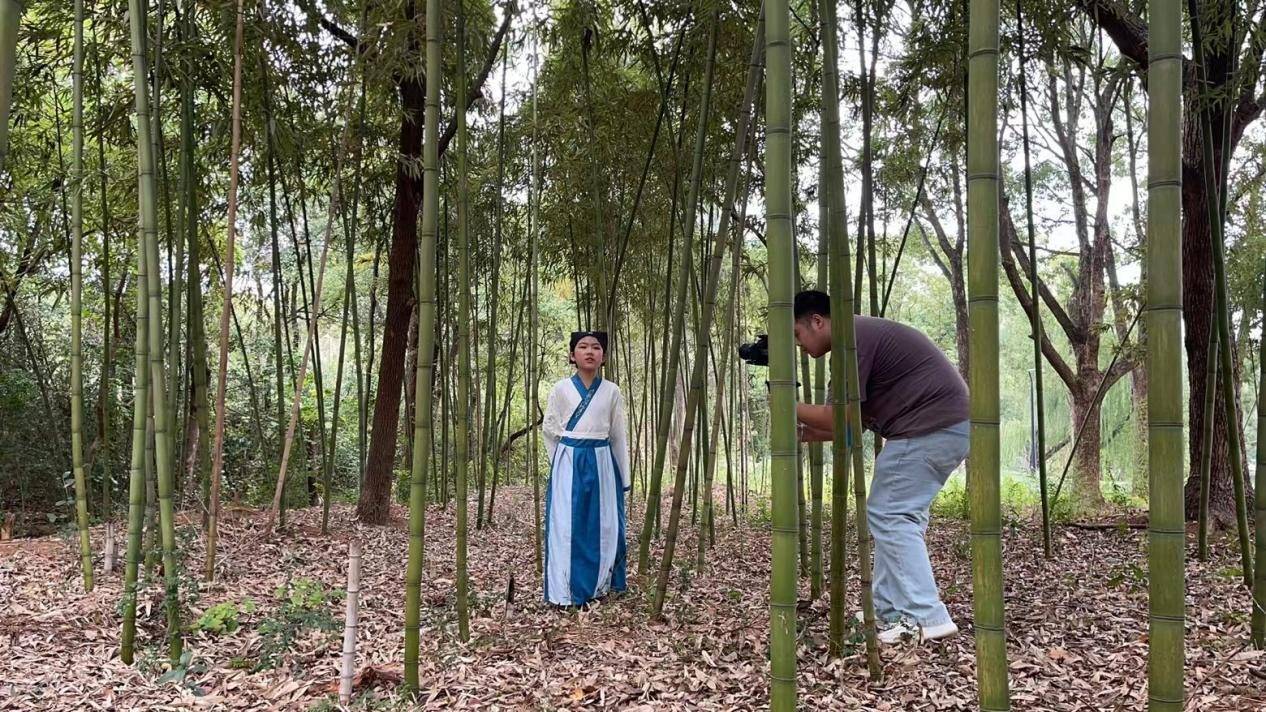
894	633
939	632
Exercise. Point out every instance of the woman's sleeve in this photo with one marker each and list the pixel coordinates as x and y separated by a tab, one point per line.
552	426
620	439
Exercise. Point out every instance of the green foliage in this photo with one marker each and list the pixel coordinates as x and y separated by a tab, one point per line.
304	608
223	617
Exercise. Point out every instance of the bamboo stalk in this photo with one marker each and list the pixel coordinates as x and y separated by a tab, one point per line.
1166	529
1258	620
465	316
1206	452
424	368
351	624
983	463
673	352
226	312
1221	305
76	301
838	271
311	347
1035	316
845	388
136	482
147	270
782	365
10	18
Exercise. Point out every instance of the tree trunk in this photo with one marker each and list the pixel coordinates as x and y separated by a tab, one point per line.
962	326
1086	473
375	492
1197	265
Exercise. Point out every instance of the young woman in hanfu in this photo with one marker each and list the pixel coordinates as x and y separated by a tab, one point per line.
586	433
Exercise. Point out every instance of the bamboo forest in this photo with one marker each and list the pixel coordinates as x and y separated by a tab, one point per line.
479	354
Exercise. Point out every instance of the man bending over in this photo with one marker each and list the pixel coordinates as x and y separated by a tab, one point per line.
914	398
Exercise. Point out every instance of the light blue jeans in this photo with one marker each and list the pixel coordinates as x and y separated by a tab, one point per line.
908	474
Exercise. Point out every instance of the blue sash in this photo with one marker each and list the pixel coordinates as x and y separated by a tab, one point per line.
586	397
585	442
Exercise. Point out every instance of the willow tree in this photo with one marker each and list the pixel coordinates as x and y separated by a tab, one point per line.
76	302
782	360
422	434
148	280
983	463
10	16
226	312
1166	527
464	318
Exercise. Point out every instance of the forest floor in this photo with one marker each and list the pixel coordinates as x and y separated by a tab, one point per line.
1077	627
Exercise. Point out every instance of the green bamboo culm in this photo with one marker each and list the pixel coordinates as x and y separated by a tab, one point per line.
136	479
1165	447
1259	492
76	301
10	17
983	463
199	408
532	377
1035	317
226	312
816	574
464	364
703	344
425	285
148	276
694	396
1206	450
845	386
841	303
782	360
677	329
734	236
1221	306
731	238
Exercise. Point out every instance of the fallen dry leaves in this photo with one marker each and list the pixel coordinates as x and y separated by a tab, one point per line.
1077	628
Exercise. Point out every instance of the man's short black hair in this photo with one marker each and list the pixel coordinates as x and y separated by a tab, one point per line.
810	302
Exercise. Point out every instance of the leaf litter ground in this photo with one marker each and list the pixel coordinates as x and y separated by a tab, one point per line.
1077	627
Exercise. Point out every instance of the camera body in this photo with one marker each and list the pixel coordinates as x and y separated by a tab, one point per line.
757	352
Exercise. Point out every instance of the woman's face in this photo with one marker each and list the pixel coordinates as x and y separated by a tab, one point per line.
588	354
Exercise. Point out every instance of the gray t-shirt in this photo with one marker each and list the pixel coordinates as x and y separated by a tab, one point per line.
908	386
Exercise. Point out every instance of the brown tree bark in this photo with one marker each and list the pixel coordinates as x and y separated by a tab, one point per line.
949	260
1129	32
375	492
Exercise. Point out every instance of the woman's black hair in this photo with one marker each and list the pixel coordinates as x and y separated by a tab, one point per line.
576	336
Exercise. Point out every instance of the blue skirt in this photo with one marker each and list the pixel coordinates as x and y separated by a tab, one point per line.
585	555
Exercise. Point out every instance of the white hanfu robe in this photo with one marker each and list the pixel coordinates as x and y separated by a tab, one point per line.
586	434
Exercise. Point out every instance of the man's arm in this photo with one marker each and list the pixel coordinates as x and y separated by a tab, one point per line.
813	435
816	417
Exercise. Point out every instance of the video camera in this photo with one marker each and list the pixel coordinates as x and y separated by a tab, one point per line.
757	352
